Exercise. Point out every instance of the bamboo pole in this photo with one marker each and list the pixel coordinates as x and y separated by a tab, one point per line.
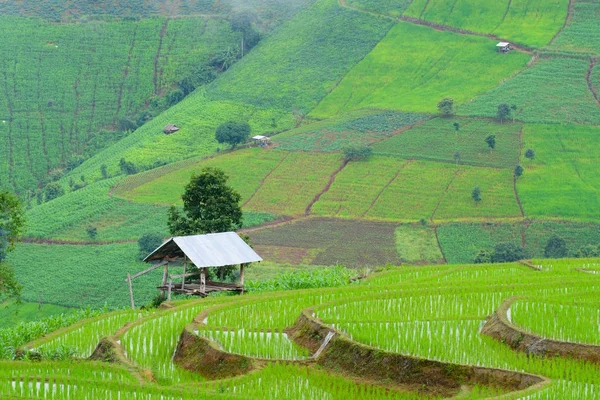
130	290
184	272
169	290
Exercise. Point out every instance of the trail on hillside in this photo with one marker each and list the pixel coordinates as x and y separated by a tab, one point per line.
262	182
588	79
326	188
567	22
386	186
515	178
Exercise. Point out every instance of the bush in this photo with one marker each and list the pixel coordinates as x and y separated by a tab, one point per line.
555	248
509	252
233	133
357	153
148	243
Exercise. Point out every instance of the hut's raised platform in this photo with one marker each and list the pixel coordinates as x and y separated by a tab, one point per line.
196	289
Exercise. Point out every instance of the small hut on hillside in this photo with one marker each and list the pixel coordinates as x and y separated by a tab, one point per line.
262	141
170	128
203	251
504	47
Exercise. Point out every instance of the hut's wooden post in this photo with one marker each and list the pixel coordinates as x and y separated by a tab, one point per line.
130	290
169	290
203	279
165	274
184	272
242	266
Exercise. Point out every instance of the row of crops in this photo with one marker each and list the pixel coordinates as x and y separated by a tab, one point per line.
429	312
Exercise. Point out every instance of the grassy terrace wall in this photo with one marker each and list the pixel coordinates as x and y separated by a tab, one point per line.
500	328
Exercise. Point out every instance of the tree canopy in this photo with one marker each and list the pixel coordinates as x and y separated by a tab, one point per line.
446	107
209	206
233	133
556	247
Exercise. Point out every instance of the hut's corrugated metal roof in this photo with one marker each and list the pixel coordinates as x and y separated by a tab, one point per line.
502	44
210	250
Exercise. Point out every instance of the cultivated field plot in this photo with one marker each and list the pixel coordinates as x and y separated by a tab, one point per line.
415	192
292	185
438	65
497	195
48	272
63	83
355	129
393	8
246	169
296	66
562	180
439	140
358	186
417	244
433	313
321	241
533	23
571	101
462	241
581	33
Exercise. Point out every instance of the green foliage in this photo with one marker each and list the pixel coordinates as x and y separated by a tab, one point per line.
127	167
476	194
317	278
504	112
356	129
68	85
417	244
53	190
377	80
438	140
570	101
562	180
233	133
357	153
446	107
556	247
530	154
491	142
148	243
209	206
483	257
525	22
508	252
92	232
581	33
518	171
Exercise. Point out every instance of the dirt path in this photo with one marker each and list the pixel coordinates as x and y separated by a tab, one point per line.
437	239
73	242
515	178
567	22
126	73
326	188
157	57
273	224
588	79
444	194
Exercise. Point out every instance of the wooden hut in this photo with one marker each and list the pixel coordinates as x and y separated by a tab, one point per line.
504	47
202	251
261	141
170	128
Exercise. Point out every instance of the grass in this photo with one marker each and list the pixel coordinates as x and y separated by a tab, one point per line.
321	241
315	171
439	140
355	129
315	45
393	8
571	101
562	180
417	244
63	83
357	187
497	193
76	276
400	64
11	313
533	23
580	34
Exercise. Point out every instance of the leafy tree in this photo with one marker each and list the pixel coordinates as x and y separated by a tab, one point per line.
509	252
456	126
491	142
483	257
476	194
174	97
12	222
126	125
233	133
242	22
357	153
148	243
556	247
513	108
588	250
457	157
53	190
503	112
209	205
518	171
446	107
127	167
92	232
103	171
530	154
143	117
